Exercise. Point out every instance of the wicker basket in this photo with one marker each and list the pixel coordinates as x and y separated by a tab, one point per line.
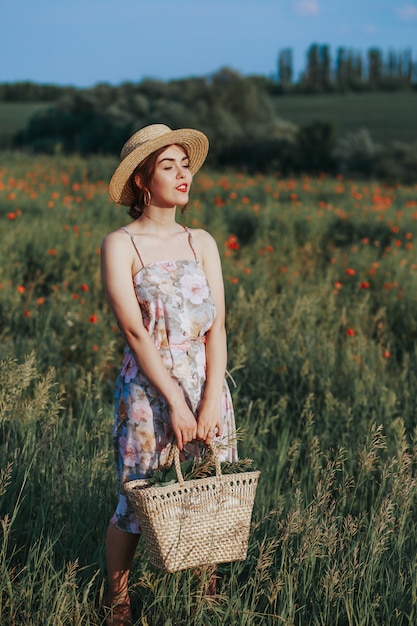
195	522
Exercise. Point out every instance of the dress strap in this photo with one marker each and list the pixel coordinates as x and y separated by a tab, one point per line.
190	241
134	245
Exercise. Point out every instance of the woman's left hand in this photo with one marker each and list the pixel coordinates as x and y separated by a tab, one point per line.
208	426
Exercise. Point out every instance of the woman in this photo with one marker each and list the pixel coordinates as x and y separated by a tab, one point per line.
164	284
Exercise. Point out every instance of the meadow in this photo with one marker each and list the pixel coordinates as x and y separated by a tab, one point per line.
15	115
321	289
387	116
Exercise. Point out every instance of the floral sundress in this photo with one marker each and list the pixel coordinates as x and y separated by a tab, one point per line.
177	311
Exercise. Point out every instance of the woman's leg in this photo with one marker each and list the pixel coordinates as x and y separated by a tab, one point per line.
120	550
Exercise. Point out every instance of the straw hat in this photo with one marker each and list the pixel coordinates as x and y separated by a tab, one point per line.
143	143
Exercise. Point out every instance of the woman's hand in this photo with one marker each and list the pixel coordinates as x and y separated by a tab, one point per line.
183	423
208	425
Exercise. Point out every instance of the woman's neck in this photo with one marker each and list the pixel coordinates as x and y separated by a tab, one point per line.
158	221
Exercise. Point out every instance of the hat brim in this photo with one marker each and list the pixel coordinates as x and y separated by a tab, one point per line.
195	143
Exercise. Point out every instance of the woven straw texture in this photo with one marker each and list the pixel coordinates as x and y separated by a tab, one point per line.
195	522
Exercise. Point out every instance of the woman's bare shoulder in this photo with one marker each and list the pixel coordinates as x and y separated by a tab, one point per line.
206	247
116	238
202	238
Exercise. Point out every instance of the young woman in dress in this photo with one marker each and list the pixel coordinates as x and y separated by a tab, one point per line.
164	284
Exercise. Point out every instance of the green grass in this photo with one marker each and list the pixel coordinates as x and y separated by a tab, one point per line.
388	116
321	298
15	115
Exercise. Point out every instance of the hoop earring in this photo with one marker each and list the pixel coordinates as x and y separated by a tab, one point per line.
147	197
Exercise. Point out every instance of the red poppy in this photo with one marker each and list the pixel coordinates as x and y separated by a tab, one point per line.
232	243
94	319
351	332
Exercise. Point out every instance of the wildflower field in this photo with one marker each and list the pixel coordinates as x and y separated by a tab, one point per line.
321	288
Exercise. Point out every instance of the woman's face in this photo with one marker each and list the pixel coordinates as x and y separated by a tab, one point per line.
171	180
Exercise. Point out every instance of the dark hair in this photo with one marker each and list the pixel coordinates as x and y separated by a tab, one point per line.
145	170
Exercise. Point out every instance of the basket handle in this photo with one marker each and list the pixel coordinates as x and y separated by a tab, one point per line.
213	451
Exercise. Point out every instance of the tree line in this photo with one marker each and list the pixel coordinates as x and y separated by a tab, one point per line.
230	109
27	91
351	70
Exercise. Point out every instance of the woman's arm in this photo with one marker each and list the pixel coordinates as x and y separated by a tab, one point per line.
116	268
210	412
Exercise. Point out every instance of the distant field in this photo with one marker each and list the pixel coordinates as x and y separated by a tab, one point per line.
388	116
15	115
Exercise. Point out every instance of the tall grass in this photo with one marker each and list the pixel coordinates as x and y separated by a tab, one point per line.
320	280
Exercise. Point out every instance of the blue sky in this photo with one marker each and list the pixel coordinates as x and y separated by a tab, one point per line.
83	42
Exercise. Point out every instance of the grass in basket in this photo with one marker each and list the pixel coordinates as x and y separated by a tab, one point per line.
192	469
